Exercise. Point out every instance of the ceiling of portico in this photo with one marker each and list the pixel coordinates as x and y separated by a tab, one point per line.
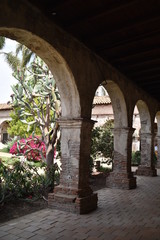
126	33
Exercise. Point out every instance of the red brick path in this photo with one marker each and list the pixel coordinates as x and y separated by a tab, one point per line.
121	215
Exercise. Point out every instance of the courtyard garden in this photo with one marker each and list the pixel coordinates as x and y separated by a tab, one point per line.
25	178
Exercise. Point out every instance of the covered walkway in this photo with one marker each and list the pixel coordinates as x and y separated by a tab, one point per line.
121	215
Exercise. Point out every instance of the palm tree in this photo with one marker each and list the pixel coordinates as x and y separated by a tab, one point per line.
2	42
20	59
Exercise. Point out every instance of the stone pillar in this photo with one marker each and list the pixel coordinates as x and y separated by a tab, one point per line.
122	177
147	166
158	152
74	194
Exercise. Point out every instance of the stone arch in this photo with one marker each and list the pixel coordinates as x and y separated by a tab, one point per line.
136	126
147	166
121	177
158	122
157	140
3	131
26	24
118	104
58	66
145	117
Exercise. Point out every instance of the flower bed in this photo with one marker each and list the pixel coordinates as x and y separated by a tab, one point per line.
33	148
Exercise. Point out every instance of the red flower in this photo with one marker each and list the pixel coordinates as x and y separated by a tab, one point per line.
34	145
30	196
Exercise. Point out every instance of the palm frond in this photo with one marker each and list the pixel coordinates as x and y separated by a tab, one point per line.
12	60
27	57
2	42
19	48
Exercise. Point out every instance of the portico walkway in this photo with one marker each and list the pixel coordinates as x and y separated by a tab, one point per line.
121	215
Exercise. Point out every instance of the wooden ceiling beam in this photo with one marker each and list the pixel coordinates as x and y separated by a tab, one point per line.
143	72
149	23
139	55
137	62
148	79
123	52
94	15
129	41
146	63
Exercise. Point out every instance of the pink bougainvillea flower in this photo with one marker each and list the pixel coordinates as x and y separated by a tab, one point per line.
31	149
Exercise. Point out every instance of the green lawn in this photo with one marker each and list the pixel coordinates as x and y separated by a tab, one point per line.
9	161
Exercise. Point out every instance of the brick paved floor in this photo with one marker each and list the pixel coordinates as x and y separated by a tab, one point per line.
121	215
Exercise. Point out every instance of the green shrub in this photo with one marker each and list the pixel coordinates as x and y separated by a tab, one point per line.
9	144
23	181
5	150
154	158
136	158
105	169
102	141
8	161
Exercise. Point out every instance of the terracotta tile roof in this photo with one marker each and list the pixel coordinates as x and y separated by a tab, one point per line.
5	106
101	100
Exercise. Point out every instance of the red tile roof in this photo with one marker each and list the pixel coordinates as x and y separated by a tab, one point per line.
98	100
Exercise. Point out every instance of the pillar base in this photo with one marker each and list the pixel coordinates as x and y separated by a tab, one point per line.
72	202
146	171
121	180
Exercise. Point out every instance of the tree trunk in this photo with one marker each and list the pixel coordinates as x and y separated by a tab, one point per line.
49	155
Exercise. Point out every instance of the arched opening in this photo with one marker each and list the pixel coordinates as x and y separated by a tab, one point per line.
136	139
102	110
144	117
118	104
117	111
4	122
42	101
157	139
4	133
102	137
62	75
57	65
146	141
71	178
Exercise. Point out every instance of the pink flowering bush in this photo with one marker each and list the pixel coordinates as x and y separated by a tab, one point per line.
33	148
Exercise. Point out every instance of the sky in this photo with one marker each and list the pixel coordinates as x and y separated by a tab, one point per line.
6	78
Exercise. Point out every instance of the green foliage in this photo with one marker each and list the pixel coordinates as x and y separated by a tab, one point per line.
5	150
2	42
136	158
105	169
23	181
8	161
20	58
10	143
18	128
35	99
154	158
102	141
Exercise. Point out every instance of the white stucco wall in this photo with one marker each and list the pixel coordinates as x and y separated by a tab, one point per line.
4	115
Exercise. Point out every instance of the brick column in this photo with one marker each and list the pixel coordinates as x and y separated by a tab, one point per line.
122	177
147	166
74	194
158	153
